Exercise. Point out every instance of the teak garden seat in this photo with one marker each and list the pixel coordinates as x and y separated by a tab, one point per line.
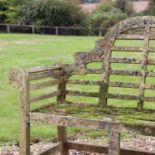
120	90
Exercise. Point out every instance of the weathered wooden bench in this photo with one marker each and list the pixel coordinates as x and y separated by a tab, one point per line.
120	88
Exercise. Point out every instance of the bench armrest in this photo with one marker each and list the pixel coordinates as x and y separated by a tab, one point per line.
56	71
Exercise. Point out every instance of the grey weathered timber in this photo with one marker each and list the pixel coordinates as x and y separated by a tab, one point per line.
62	136
53	149
103	149
43	84
44	96
24	136
56	79
143	68
114	141
61	120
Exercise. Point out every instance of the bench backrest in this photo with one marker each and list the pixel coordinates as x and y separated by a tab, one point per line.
121	67
127	58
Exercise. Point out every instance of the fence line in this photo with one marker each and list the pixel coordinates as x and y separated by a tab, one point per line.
54	30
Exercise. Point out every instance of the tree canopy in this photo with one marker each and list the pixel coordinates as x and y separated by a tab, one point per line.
106	15
52	13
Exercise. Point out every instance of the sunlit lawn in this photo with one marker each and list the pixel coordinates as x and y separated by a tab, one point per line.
22	50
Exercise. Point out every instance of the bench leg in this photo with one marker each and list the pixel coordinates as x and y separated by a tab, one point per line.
114	142
24	138
24	131
62	135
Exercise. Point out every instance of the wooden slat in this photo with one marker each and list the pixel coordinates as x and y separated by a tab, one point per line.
143	68
41	107
131	37
124	84
126	72
72	121
144	128
94	71
150	86
42	97
84	82
151	61
104	149
122	96
81	93
131	73
129	49
150	74
152	49
113	96
53	149
131	60
34	86
152	37
111	84
149	99
121	72
40	76
125	60
87	147
43	69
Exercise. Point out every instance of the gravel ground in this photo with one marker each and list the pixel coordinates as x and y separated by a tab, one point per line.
133	142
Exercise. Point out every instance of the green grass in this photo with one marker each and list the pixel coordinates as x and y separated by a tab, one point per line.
19	50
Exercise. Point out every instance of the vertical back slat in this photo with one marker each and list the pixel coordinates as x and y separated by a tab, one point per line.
143	68
103	94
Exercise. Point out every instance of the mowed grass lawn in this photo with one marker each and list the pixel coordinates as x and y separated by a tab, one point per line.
19	50
23	50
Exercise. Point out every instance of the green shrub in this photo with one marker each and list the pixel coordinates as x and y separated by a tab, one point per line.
3	10
51	13
105	16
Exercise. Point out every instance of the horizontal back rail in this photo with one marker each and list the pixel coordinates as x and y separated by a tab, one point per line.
44	84
44	96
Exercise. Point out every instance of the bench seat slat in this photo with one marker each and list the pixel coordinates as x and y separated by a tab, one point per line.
72	121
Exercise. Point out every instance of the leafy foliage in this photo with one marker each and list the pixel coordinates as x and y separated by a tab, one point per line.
13	8
3	9
106	15
47	12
